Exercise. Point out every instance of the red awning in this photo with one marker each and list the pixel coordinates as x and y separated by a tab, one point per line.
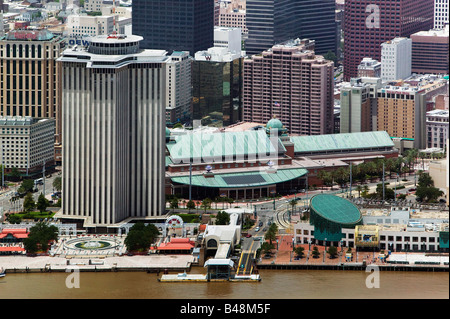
12	249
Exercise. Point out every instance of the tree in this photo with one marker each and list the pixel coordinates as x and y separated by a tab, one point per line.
331	56
27	185
28	203
359	189
315	252
57	183
39	237
141	236
174	203
388	192
42	203
222	218
332	251
266	247
299	251
271	233
14	219
206	203
190	205
426	190
293	203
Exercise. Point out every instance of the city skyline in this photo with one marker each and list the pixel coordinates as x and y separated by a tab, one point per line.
224	149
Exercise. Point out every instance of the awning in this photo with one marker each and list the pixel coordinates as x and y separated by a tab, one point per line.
219	262
11	249
243	179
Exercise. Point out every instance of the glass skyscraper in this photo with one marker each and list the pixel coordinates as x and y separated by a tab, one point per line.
174	25
271	22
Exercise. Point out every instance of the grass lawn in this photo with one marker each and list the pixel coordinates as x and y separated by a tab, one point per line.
34	215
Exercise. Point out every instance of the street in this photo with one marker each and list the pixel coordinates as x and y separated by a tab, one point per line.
6	205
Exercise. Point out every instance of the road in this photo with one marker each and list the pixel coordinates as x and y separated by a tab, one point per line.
7	205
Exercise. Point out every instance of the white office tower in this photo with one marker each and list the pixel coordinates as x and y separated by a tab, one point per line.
113	118
396	59
441	13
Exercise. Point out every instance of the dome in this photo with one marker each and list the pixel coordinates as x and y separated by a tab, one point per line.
274	124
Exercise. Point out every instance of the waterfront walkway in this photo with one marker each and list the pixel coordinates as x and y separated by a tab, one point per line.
152	262
284	255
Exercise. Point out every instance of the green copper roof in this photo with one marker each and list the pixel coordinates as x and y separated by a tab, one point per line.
335	209
214	147
245	179
274	124
345	141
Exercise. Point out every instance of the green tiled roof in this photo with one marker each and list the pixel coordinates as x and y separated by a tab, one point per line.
335	209
344	141
244	179
212	147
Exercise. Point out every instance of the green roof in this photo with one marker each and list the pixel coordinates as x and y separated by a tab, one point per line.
244	179
214	147
344	141
274	124
335	209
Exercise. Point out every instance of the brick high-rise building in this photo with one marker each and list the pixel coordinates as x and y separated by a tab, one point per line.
292	83
430	51
368	23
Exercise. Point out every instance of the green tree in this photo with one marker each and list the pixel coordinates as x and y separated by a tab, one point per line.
39	237
266	247
299	251
293	203
28	203
174	203
331	56
206	204
426	190
222	218
190	205
315	252
14	219
42	203
141	236
332	251
27	185
271	233
57	183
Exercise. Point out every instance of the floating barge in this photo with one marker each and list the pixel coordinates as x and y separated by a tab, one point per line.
184	277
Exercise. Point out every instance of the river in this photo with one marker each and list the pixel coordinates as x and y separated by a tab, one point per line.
275	284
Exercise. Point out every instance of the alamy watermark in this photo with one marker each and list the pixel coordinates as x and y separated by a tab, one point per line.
73	280
373	279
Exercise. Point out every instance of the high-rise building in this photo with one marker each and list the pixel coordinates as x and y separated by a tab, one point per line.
179	88
358	108
174	25
114	131
441	13
30	77
292	83
369	23
271	22
430	51
217	76
396	59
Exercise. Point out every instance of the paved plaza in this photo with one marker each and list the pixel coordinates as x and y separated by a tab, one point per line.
284	255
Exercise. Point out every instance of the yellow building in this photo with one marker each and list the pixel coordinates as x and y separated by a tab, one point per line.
30	77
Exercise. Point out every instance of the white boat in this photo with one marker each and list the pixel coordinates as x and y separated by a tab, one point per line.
2	273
